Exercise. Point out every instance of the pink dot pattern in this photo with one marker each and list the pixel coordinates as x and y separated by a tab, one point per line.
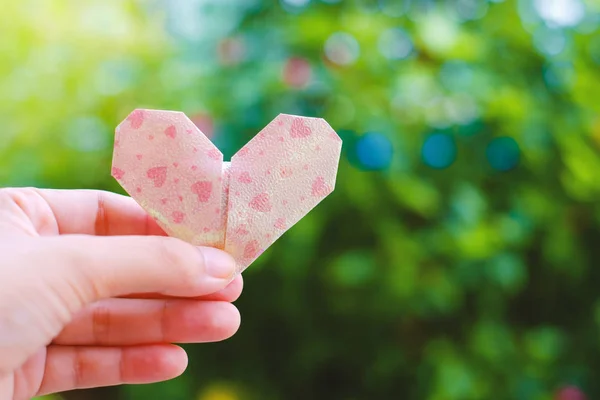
177	174
163	181
270	180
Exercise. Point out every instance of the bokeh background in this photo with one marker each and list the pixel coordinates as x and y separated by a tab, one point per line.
457	258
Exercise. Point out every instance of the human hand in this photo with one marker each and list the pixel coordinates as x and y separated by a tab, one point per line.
92	294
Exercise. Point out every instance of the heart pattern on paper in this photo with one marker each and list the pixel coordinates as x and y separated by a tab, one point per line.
179	177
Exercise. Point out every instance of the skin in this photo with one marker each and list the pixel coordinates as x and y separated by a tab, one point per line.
93	293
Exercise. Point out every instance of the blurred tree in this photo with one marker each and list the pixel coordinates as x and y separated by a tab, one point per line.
456	259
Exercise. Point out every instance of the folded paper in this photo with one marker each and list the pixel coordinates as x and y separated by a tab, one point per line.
178	176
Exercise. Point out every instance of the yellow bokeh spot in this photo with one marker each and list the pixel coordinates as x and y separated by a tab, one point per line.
219	392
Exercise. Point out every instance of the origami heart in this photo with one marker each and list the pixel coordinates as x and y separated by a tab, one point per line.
175	172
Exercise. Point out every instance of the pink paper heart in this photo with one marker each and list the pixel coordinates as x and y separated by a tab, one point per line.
242	206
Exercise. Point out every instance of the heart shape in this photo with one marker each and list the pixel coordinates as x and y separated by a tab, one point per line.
242	206
158	175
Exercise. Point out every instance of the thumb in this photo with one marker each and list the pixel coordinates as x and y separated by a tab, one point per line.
102	267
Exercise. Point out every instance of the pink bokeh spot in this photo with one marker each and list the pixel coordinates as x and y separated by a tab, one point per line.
570	393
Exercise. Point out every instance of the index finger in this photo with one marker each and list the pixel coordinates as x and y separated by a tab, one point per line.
100	213
229	294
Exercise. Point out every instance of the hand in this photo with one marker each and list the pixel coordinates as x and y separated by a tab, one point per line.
93	293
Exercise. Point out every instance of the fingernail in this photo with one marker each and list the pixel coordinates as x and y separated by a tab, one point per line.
218	263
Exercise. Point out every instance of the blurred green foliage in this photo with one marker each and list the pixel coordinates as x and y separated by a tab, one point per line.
456	258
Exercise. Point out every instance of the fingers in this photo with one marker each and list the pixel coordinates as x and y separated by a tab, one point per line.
230	294
98	213
122	322
54	278
69	368
95	268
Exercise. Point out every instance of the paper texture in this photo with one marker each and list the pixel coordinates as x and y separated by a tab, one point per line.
178	176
